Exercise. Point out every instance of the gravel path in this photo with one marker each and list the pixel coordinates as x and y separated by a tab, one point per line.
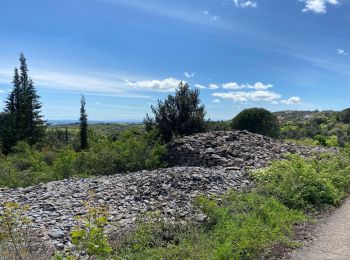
332	240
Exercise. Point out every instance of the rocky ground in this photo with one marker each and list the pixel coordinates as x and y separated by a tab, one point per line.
238	149
224	158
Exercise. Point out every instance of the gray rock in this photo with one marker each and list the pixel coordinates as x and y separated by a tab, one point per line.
204	164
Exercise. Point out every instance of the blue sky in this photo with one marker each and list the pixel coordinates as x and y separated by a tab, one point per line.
124	55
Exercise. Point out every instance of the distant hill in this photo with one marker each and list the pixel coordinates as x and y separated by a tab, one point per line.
301	116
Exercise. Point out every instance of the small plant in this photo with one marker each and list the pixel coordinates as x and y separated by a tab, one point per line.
90	237
13	231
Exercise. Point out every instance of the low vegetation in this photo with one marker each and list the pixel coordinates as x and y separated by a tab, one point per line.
326	128
131	151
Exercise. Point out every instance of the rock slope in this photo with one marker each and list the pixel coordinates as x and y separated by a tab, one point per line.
239	149
223	156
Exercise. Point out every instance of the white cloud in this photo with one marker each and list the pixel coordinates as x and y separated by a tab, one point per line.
261	86
318	6
232	85
245	3
189	75
200	86
216	101
256	86
342	52
244	96
2	91
166	85
292	101
213	86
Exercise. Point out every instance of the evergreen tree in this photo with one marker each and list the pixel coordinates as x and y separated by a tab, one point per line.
83	125
22	120
66	138
180	114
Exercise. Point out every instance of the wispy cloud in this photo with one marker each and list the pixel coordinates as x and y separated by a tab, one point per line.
189	75
245	3
292	101
256	86
200	86
211	17
342	52
104	84
166	85
213	86
216	101
183	14
318	6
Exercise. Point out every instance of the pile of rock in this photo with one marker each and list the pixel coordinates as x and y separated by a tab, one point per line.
53	207
223	157
240	149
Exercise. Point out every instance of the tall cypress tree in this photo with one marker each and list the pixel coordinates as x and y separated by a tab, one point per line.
83	125
22	120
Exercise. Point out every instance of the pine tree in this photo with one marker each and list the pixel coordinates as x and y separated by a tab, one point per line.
83	125
22	120
66	138
180	114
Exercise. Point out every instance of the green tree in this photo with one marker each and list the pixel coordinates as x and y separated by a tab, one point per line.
83	125
344	116
181	114
257	120
22	120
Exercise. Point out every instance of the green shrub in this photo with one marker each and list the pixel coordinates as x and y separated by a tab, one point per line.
65	165
23	168
132	151
306	183
332	141
257	120
241	226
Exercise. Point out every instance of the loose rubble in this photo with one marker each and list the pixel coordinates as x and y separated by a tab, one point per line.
239	149
223	157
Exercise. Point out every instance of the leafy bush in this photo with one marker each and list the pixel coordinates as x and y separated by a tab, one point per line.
65	165
23	168
132	151
306	183
257	120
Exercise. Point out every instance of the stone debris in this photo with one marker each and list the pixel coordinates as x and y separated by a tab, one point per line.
239	149
205	164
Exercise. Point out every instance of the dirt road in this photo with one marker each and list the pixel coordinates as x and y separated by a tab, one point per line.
332	238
